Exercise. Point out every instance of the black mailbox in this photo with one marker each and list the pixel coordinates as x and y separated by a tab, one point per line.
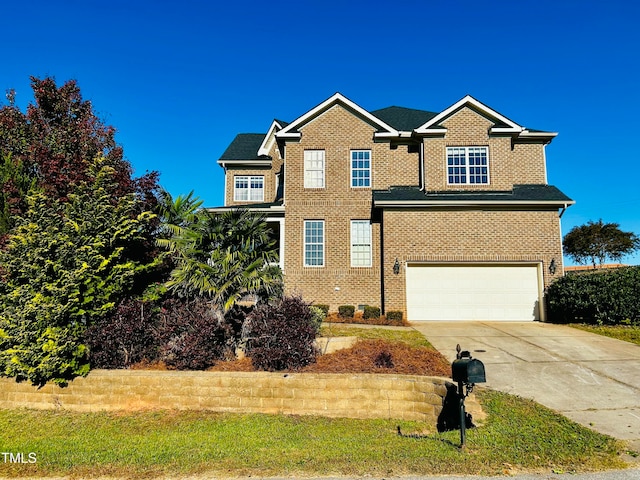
468	370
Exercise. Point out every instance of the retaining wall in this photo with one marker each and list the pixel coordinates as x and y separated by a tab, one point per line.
406	397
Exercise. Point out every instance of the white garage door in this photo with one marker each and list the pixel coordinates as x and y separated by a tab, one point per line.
472	292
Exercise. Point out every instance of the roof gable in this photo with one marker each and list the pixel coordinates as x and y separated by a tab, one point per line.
270	137
291	131
501	123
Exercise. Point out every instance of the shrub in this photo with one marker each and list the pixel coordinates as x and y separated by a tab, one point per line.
384	360
346	311
317	317
371	312
192	335
124	337
323	307
602	297
394	315
281	336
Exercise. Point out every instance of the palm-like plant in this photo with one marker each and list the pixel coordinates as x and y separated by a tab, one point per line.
222	256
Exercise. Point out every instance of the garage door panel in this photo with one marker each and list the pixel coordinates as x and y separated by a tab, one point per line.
472	292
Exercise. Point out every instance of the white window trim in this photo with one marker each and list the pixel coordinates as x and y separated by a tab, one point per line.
324	166
467	166
304	244
353	244
351	152
249	178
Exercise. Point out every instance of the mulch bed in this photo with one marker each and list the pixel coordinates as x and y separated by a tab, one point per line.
367	356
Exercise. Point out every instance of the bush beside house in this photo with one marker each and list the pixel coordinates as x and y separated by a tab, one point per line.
599	297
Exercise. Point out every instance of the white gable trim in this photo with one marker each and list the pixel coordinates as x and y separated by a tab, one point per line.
289	132
269	139
512	127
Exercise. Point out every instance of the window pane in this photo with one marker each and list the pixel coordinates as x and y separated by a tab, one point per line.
249	188
314	169
457	160
360	243
360	168
314	243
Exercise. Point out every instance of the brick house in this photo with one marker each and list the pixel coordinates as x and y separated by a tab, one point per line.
441	215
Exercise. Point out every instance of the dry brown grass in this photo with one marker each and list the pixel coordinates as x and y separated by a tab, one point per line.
367	356
381	356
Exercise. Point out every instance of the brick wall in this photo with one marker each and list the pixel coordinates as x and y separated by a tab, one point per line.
337	132
404	397
269	183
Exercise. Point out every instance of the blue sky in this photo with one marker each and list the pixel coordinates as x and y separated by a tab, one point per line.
179	80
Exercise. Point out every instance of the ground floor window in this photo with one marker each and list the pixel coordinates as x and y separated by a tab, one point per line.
314	243
360	243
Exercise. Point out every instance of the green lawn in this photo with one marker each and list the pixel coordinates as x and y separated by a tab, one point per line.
399	334
518	435
628	333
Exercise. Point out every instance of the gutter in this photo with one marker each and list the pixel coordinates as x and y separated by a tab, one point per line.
275	209
463	203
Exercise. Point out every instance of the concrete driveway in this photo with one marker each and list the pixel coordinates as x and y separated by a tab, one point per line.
591	379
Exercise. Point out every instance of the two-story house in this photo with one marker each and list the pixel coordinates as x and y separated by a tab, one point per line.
441	215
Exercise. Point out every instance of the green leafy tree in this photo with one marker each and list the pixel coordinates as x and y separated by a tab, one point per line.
67	264
223	257
595	242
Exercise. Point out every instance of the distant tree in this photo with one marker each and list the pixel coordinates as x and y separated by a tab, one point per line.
67	264
53	145
595	242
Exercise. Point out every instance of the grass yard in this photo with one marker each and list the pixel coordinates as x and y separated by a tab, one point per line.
399	334
519	435
628	333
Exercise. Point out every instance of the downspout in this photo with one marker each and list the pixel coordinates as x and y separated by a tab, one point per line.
564	209
225	184
382	265
422	169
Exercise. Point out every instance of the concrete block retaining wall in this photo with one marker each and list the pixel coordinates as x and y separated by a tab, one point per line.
405	397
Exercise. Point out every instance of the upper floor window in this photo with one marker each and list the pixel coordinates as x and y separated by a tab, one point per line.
360	168
314	169
360	243
314	243
248	188
467	165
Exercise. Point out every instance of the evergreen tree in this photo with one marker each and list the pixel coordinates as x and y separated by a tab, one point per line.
66	264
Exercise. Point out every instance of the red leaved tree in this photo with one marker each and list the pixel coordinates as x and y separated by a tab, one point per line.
52	145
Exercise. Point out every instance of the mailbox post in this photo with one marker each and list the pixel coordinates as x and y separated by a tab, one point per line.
467	372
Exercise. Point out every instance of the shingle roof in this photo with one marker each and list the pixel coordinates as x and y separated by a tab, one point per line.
520	193
403	119
244	147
